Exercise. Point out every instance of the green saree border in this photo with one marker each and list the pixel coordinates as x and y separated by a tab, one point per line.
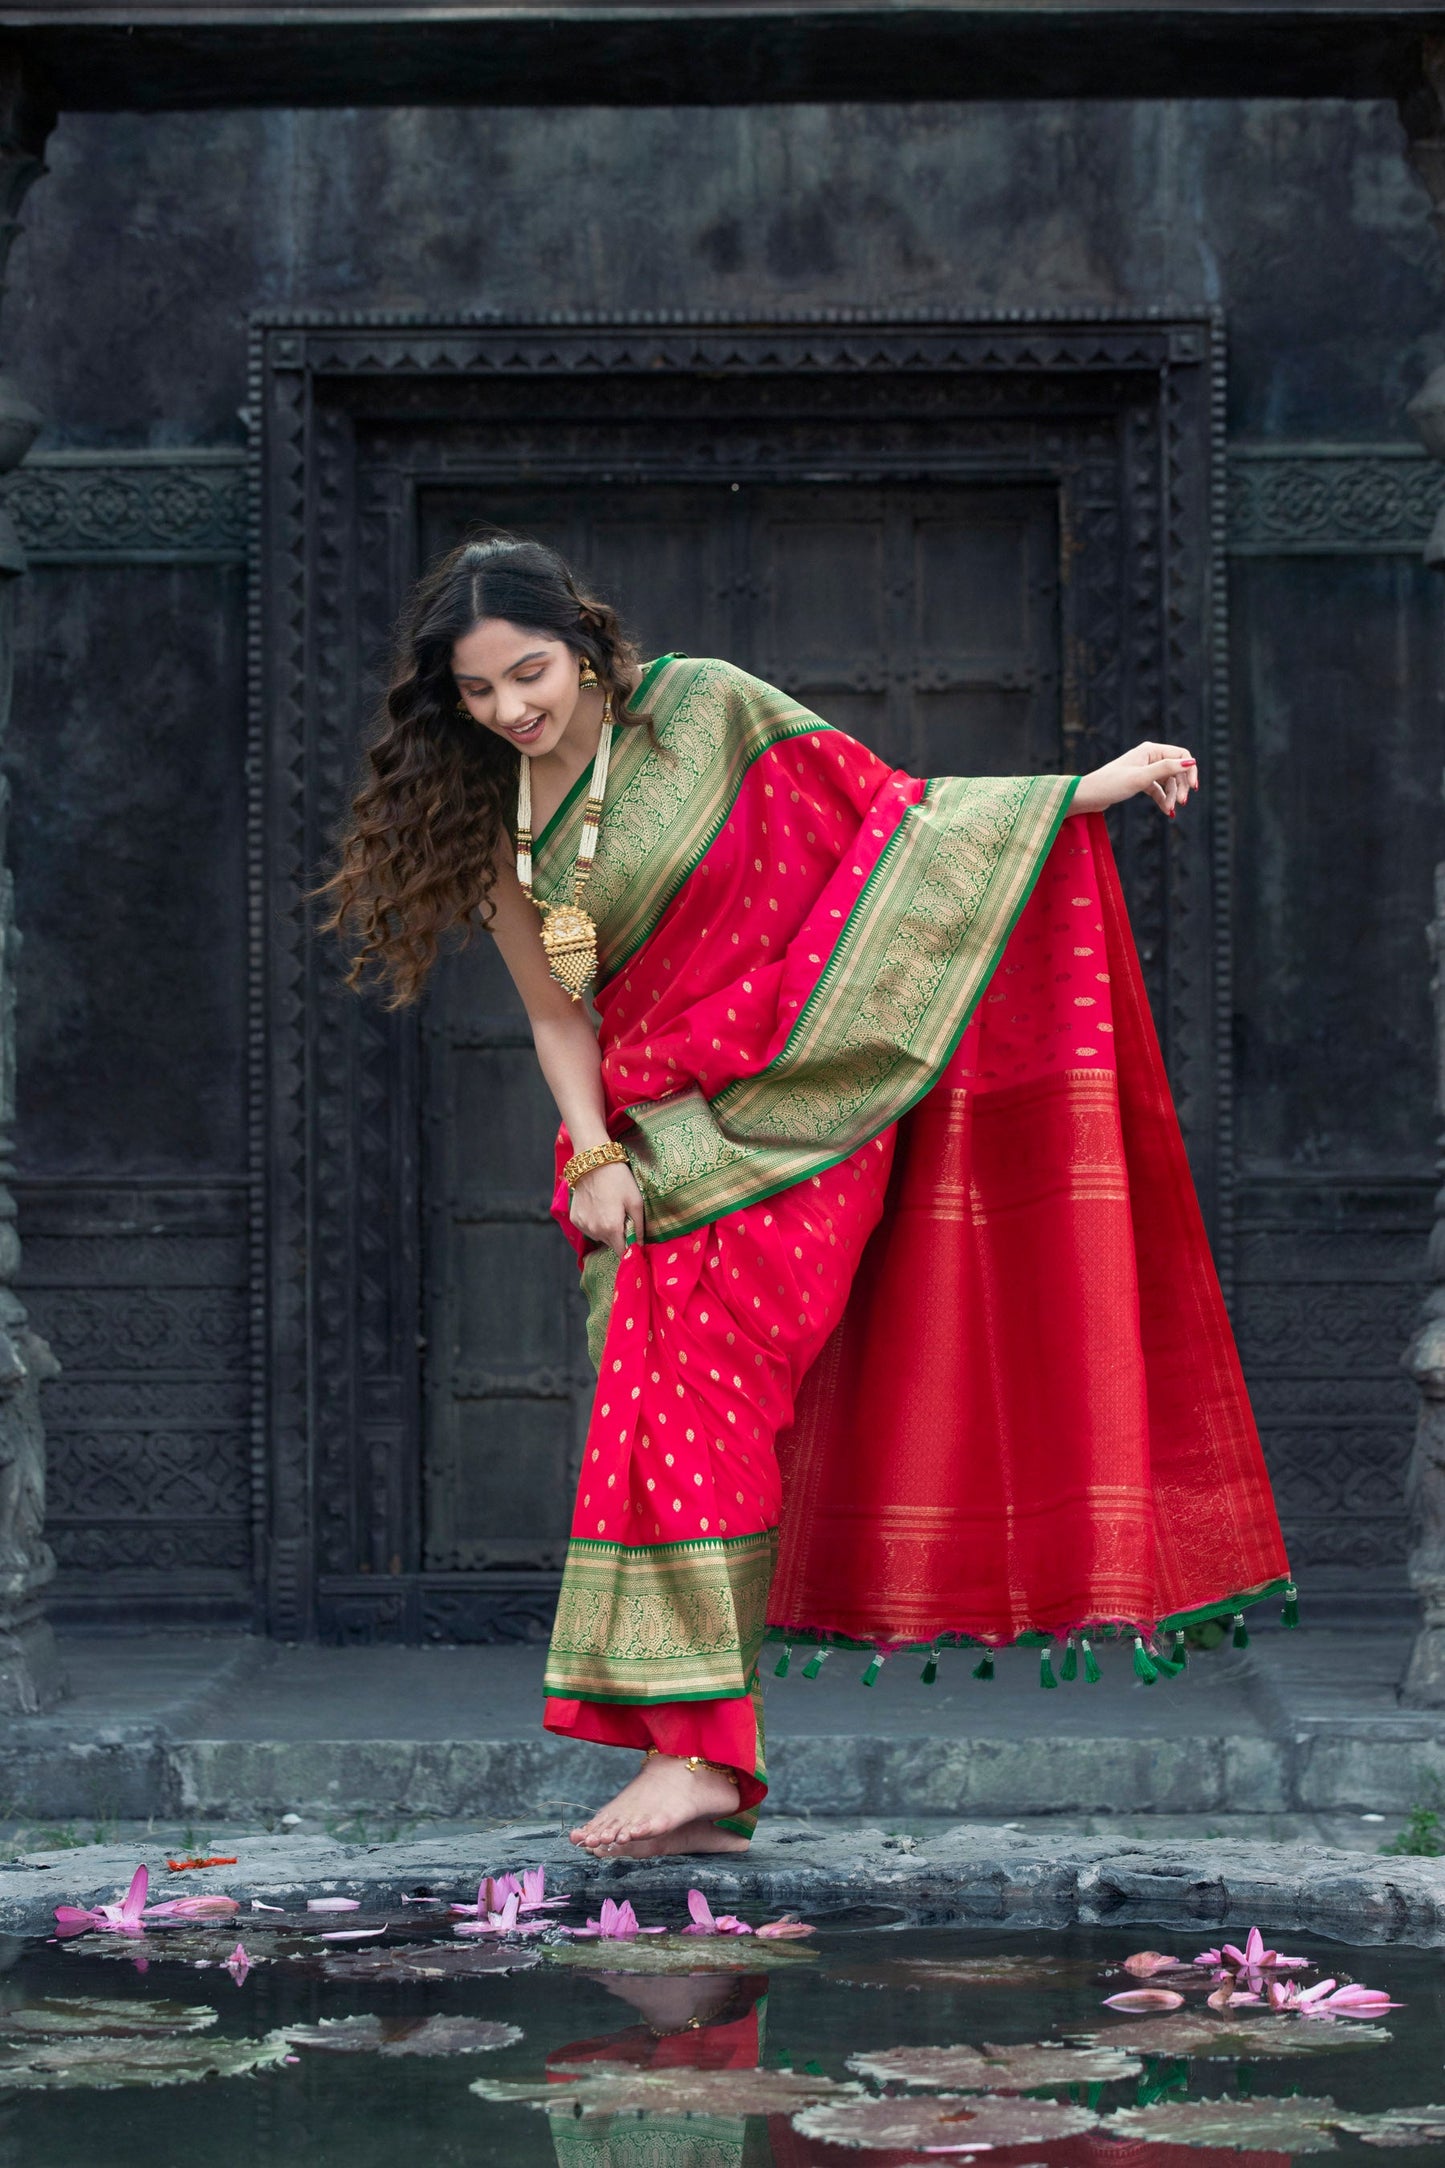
800	1638
698	1160
575	792
640	1623
666	805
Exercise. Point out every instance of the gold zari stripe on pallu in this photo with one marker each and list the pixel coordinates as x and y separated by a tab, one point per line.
910	966
666	804
663	1622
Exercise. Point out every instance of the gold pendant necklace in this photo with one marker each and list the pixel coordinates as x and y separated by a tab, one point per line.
569	934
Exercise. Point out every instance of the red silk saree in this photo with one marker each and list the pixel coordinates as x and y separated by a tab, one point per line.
924	1346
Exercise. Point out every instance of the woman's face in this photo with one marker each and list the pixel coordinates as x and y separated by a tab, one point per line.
522	685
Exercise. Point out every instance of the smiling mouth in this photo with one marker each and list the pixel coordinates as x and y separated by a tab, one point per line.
527	730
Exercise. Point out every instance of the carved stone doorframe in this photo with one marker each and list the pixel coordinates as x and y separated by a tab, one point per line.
354	417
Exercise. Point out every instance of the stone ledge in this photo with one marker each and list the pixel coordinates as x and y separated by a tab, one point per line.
970	1873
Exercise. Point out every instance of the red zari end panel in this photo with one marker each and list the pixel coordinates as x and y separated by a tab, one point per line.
1032	1416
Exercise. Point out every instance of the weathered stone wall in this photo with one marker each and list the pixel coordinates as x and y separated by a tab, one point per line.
144	250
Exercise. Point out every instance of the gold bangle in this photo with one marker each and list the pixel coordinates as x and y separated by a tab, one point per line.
601	1155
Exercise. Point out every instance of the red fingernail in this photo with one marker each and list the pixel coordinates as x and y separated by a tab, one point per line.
1170	811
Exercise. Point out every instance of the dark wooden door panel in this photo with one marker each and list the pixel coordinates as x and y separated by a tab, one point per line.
924	621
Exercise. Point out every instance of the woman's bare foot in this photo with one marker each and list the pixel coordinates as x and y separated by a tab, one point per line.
700	1836
664	1799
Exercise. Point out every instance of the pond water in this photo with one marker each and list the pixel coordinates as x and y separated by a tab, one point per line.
704	2053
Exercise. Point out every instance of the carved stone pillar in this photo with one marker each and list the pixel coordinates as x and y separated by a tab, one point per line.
1423	113
30	1673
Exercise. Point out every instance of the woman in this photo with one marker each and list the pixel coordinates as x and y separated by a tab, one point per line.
906	1326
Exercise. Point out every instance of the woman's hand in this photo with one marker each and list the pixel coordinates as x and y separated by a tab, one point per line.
605	1202
1167	772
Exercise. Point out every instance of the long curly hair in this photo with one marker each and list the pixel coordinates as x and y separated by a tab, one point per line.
416	857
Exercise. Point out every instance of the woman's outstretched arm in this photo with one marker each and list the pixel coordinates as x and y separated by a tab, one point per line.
1167	772
562	1031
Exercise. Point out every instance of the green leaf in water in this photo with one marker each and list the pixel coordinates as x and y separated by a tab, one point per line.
703	1953
105	2063
1293	2125
944	1972
943	2122
426	1961
404	2036
618	2089
1398	2126
58	2017
991	2069
1264	2038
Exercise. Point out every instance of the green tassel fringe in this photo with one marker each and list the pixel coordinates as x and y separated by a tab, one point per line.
816	1662
870	1676
1289	1616
1145	1667
1069	1668
984	1668
1092	1673
780	1668
1181	1650
930	1669
1046	1669
1241	1631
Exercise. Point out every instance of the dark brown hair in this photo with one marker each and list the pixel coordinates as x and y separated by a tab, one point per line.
416	857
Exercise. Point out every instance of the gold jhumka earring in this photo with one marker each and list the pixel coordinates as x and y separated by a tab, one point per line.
587	678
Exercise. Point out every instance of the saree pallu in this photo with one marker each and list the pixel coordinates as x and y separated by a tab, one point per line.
925	1285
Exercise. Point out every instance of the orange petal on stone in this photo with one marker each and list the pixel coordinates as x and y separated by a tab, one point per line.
1145	1998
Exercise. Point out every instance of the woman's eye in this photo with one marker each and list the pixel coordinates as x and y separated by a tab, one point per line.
532	680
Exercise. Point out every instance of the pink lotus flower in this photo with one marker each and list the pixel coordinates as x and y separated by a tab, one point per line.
788	1928
534	1892
703	1922
504	1922
125	1918
238	1964
617	1924
492	1895
1254	1960
1145	1998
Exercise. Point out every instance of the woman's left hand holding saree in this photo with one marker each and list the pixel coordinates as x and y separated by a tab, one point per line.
607	1205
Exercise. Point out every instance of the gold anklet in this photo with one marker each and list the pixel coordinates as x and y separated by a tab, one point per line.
692	1762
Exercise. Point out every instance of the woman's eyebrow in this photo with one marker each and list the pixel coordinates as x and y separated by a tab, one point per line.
472	677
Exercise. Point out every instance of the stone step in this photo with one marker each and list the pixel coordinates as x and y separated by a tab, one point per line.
234	1728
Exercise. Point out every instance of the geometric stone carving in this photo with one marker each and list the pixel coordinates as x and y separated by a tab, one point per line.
30	1675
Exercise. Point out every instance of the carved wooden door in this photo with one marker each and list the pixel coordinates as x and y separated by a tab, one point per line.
922	619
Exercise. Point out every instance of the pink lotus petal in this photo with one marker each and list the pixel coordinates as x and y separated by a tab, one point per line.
1317	1992
703	1922
238	1964
1254	1950
192	1908
785	1929
353	1934
534	1891
333	1904
1234	1955
1145	1998
421	1900
1209	1957
257	1906
1145	1963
